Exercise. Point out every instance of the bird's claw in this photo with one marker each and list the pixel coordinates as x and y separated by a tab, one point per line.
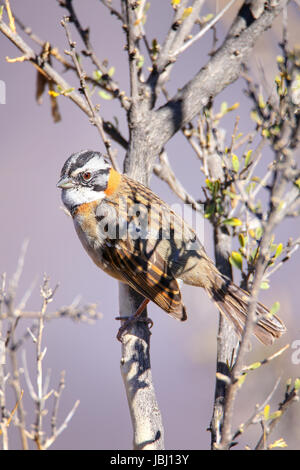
129	321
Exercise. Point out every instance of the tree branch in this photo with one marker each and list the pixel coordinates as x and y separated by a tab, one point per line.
222	69
90	52
203	31
136	372
97	120
52	75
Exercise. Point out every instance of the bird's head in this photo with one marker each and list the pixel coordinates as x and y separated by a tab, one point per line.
87	176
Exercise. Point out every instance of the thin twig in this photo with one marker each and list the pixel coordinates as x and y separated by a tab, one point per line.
290	250
113	10
291	396
164	171
203	31
49	441
97	120
111	86
132	54
267	360
52	75
254	418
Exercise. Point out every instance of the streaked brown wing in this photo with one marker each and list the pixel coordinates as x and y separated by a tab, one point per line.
147	274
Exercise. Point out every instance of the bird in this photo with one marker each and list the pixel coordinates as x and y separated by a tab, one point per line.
135	237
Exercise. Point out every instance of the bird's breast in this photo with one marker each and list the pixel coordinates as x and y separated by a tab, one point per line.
92	234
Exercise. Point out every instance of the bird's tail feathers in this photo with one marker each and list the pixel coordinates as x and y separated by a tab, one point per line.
232	301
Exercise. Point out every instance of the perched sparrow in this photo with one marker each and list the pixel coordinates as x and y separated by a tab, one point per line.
135	237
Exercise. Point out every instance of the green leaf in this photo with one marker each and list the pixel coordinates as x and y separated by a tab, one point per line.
254	366
235	163
266	133
233	107
278	250
236	260
69	90
275	307
242	240
186	12
248	157
216	188
275	130
266	412
297	384
264	285
241	380
111	71
223	108
275	415
297	183
105	95
254	252
210	209
261	102
219	206
209	184
207	18
140	61
53	93
258	233
279	443
234	222
255	117
97	74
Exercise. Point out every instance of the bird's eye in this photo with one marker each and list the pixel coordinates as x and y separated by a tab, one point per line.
86	176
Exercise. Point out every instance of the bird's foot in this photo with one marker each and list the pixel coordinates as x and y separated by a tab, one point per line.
130	320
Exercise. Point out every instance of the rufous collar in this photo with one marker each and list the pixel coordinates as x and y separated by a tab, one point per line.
113	183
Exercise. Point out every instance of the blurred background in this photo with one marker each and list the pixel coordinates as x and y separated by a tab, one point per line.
33	150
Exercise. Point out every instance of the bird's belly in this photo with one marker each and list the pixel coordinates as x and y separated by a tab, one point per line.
93	245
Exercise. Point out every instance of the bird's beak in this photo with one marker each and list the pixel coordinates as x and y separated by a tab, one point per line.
65	183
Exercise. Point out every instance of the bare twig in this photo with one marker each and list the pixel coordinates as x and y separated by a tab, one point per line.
49	441
132	53
164	171
179	31
52	75
111	86
113	11
97	120
291	248
291	396
255	417
203	31
47	296
55	432
39	389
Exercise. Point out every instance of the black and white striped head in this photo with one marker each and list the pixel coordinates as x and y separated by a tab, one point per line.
84	178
